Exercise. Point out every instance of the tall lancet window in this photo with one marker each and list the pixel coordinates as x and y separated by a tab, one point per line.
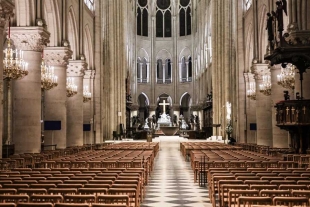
142	18
163	18
186	70
164	71
142	71
185	18
248	4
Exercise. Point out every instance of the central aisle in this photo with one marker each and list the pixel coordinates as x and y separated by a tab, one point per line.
171	182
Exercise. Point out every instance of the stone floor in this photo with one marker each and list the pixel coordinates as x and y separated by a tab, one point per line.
171	182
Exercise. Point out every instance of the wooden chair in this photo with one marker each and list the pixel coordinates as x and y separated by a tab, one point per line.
293	187
233	196
291	201
108	205
246	201
34	205
131	192
71	205
62	191
79	199
263	187
7	205
113	199
8	191
274	193
90	191
301	193
46	198
225	188
31	191
14	198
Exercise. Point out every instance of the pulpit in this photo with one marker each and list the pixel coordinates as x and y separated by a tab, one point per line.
294	116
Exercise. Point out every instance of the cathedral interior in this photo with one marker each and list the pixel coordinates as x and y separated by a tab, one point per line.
160	97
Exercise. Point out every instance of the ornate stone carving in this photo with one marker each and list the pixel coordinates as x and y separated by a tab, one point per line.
76	68
301	38
57	56
6	10
30	38
89	74
259	70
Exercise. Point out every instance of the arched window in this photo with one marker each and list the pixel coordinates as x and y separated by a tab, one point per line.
164	72
186	70
185	19
248	4
142	71
142	18
163	18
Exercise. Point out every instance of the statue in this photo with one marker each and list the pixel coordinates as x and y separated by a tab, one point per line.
269	28
192	118
281	6
175	119
146	126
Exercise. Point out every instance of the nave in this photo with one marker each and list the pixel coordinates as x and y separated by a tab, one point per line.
172	181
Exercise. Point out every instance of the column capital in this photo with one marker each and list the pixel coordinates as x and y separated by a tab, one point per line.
89	74
30	38
275	67
6	11
134	107
57	56
259	70
249	77
76	68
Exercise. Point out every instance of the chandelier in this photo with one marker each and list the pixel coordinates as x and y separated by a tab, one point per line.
287	77
71	87
265	87
14	66
251	93
48	78
86	94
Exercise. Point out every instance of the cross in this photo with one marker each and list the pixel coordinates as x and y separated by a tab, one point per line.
287	110
293	109
304	109
164	104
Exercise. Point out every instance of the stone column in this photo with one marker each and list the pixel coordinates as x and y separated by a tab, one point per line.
6	11
75	70
88	114
280	137
250	110
263	107
27	91
55	99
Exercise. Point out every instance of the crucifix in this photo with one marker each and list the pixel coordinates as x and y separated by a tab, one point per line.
304	109
164	104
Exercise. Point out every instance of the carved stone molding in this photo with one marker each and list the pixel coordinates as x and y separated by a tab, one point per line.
89	74
259	70
76	68
301	38
30	38
57	56
249	77
6	11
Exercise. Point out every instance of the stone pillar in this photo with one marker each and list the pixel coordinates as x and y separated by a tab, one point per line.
263	107
75	70
250	110
88	106
6	11
27	91
55	99
113	96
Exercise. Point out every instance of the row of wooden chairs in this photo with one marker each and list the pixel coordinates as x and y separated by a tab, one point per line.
59	205
90	199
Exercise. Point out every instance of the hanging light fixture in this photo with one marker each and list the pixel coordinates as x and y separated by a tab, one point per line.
71	87
265	87
286	78
48	78
251	93
14	66
86	94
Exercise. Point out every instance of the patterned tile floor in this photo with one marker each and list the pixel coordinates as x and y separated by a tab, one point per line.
171	182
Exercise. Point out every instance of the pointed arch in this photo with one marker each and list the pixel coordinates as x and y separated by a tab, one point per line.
52	18
88	47
73	36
